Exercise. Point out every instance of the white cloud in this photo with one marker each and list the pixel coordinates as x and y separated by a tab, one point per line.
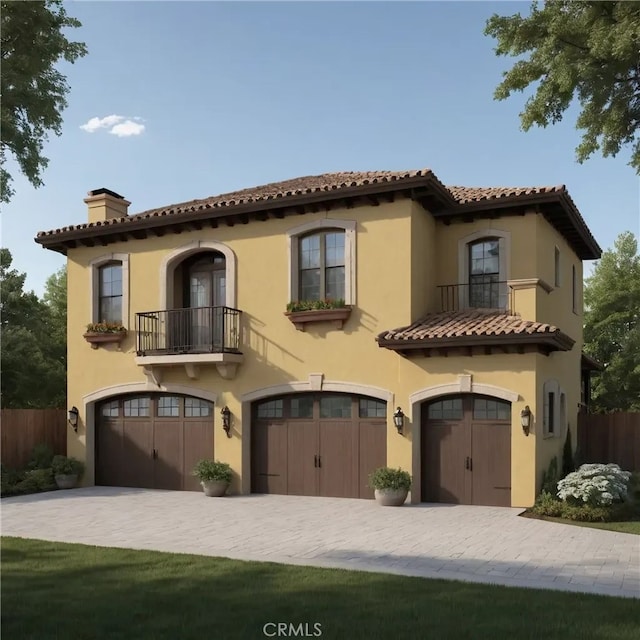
101	123
120	126
127	128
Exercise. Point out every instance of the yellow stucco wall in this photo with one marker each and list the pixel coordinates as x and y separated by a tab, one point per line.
402	254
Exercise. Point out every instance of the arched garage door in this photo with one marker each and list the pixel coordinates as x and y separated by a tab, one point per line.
152	441
317	444
466	451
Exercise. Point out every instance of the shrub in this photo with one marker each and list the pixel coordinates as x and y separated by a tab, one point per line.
634	485
595	484
63	466
550	478
213	470
41	457
387	478
42	478
312	305
547	504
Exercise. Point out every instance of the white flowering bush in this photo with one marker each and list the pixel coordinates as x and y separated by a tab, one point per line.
595	485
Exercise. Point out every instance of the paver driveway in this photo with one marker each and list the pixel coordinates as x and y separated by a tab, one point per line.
478	544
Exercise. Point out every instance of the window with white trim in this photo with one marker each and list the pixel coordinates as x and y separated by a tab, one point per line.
109	288
483	269
322	261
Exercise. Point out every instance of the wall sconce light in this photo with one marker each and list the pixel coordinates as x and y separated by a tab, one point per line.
226	420
525	420
73	417
398	420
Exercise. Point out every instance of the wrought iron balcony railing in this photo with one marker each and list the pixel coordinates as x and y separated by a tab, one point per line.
192	330
482	294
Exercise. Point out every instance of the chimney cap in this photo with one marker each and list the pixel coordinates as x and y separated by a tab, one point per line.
103	190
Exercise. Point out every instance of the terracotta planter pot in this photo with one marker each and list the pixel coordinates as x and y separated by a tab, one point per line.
66	481
391	497
336	316
214	488
97	338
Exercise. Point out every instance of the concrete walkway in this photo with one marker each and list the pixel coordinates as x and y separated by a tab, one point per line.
477	544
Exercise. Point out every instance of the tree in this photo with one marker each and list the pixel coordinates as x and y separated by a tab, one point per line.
588	50
32	340
612	326
33	90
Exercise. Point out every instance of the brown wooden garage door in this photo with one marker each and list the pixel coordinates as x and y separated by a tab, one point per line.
317	445
152	441
466	451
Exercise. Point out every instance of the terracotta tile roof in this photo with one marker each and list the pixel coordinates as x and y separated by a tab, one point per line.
453	200
265	193
459	324
464	195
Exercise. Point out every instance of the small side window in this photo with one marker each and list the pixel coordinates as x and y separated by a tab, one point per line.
556	264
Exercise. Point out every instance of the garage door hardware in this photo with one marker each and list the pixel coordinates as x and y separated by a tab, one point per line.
468	463
317	462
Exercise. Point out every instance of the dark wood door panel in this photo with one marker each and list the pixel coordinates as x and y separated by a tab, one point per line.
109	463
491	446
372	448
198	444
168	454
338	451
445	447
269	459
137	460
302	457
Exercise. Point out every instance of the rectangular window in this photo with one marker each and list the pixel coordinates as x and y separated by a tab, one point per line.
168	406
373	408
302	407
136	407
574	289
446	410
551	424
335	407
110	292
271	409
484	274
195	408
322	268
556	266
110	409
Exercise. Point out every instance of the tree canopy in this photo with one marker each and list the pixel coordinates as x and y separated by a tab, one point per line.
612	326
584	50
33	90
33	340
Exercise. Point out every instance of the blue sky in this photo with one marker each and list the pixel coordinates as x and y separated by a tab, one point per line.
213	97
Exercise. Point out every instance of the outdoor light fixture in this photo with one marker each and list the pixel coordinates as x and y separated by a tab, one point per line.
226	420
73	417
398	420
525	420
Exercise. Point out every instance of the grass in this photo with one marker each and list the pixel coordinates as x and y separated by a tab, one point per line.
623	526
77	592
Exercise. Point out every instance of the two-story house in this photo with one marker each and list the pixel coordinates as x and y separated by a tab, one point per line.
454	352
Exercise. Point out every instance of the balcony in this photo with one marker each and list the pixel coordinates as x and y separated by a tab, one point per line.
191	338
490	295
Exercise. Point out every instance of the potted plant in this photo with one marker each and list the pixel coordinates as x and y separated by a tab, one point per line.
104	332
66	471
391	486
214	477
304	311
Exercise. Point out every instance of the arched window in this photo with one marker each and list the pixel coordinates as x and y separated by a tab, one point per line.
484	273
322	260
321	263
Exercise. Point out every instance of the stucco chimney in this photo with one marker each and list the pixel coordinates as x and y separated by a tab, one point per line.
104	204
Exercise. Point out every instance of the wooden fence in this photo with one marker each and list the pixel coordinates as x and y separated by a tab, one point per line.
610	437
23	429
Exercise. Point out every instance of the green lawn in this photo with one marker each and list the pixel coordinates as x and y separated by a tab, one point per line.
77	592
624	526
